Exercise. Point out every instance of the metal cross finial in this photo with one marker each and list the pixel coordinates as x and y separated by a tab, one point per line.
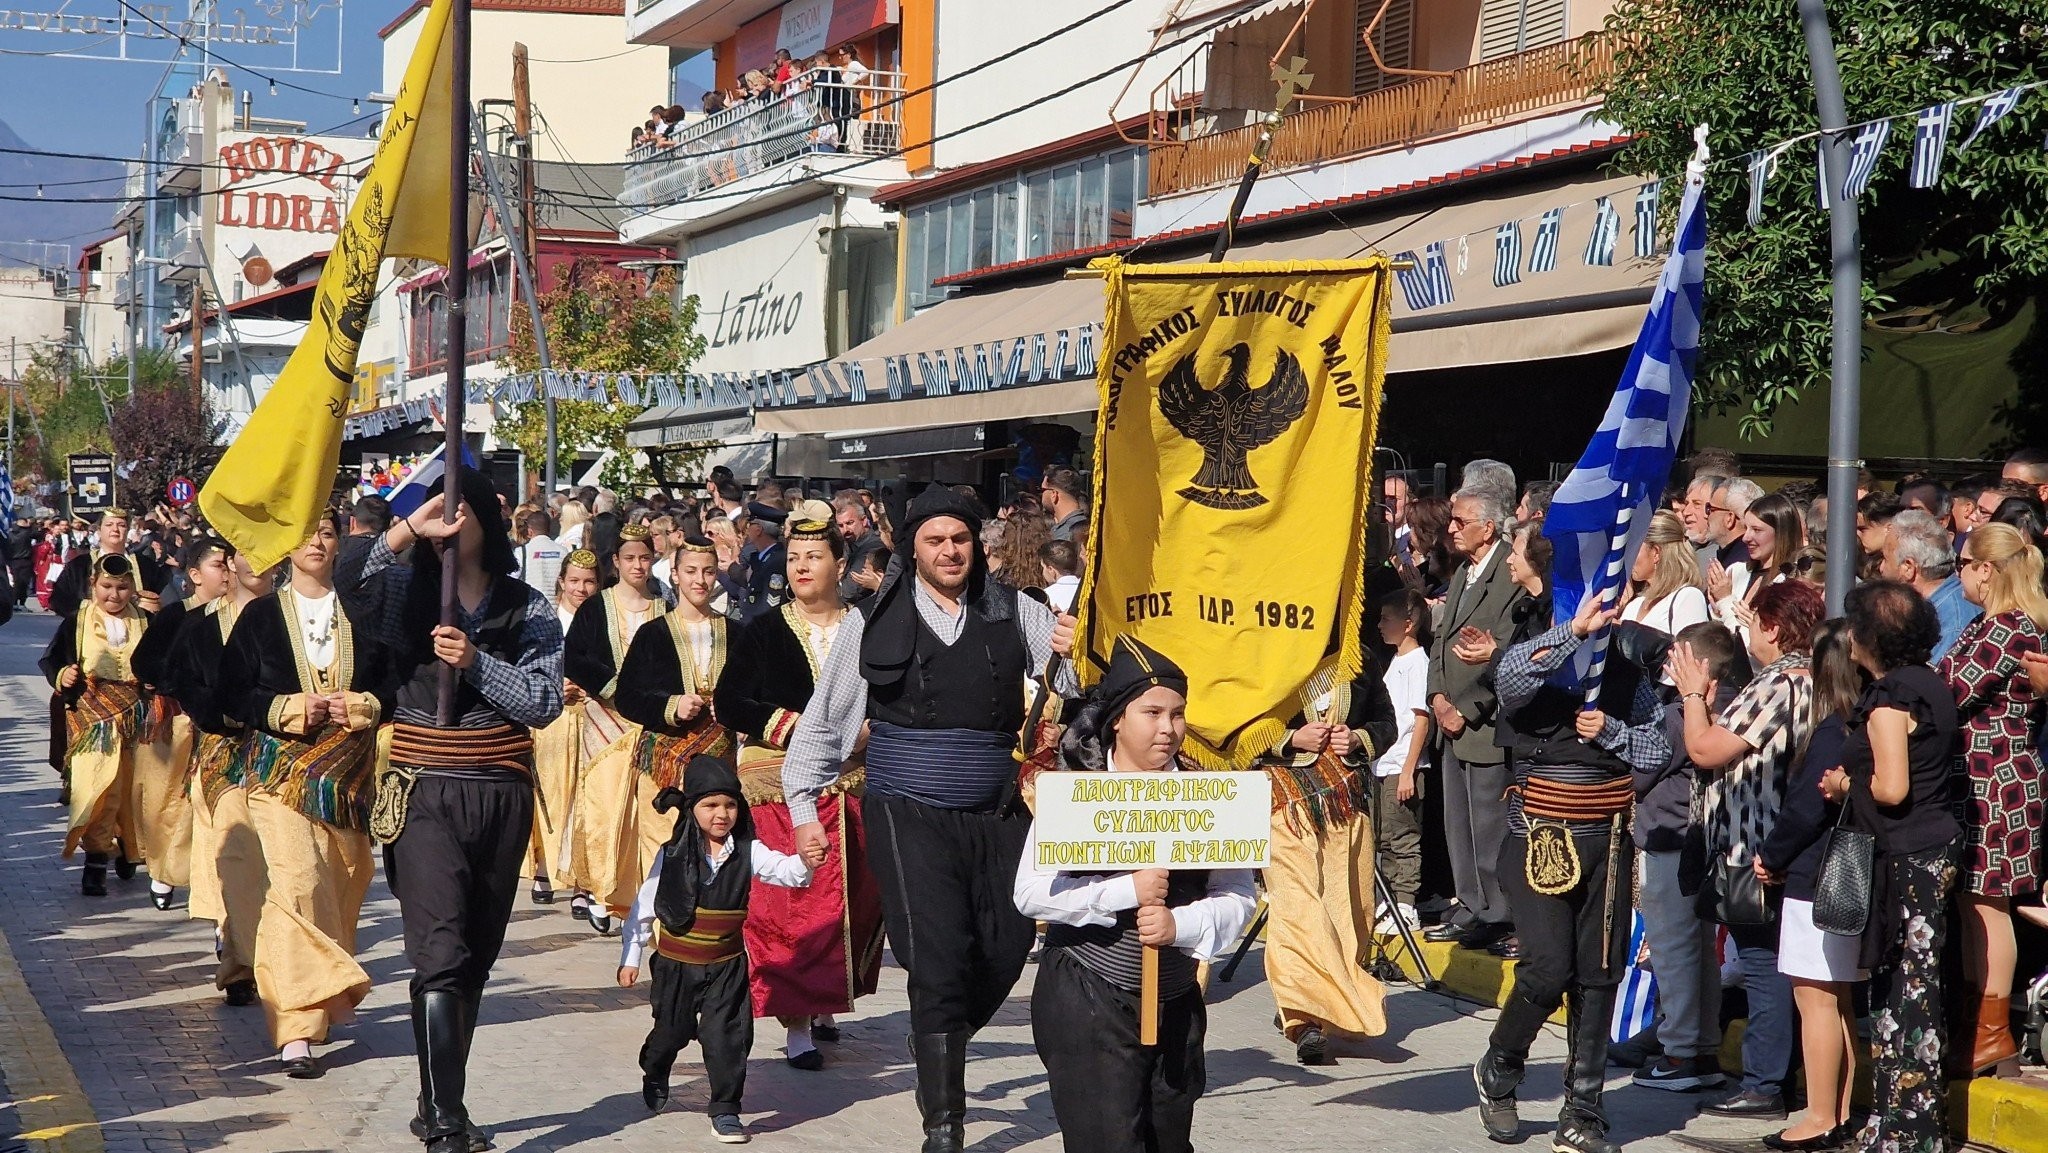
1291	80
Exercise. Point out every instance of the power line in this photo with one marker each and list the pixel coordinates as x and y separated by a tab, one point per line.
185	44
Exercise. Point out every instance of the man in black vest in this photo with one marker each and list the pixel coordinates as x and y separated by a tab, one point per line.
462	793
1567	866
935	666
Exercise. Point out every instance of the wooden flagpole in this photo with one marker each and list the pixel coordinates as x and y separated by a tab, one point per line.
458	328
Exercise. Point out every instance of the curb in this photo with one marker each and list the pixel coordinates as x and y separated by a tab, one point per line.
55	1113
1992	1112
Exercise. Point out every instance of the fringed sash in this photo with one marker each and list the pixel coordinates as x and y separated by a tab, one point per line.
218	764
662	757
110	714
1326	792
330	778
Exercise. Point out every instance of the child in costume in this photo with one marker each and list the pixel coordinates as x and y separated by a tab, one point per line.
1111	1094
692	910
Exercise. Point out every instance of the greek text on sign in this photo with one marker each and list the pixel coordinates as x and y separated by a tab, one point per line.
1191	820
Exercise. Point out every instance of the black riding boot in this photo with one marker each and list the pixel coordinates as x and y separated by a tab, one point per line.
92	880
479	1141
1582	1123
438	1030
942	1088
1499	1071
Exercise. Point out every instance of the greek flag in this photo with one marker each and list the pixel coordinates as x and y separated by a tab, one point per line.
1646	219
1930	140
1543	257
1864	150
1763	164
1606	231
1636	1008
6	499
1507	254
1603	508
1995	109
1439	274
423	482
1413	279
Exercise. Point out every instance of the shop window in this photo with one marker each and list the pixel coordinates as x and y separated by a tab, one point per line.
1093	219
1007	244
984	248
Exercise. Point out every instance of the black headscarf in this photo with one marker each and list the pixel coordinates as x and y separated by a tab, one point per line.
1135	668
889	637
423	603
482	498
683	868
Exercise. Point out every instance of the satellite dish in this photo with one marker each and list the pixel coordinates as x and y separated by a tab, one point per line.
257	271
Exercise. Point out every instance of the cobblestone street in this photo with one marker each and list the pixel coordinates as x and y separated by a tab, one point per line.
112	1037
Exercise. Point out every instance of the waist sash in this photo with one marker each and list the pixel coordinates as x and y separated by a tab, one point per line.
663	758
505	746
330	777
218	764
971	770
716	935
109	713
1575	802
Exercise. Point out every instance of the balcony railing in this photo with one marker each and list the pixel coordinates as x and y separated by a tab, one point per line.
810	116
186	133
1488	92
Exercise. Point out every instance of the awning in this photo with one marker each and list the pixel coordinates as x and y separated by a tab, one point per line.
679	425
1574	309
943	441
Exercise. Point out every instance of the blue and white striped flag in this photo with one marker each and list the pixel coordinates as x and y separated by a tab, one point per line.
1543	256
1930	142
1865	148
1438	272
1763	164
1601	511
6	500
1646	219
1414	281
1994	109
1635	1009
1507	254
1606	231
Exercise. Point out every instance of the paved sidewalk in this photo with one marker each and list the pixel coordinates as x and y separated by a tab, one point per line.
130	1021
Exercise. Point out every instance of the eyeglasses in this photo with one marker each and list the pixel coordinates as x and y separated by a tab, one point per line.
1459	521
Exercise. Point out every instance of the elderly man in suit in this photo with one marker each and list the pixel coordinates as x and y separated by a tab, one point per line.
1481	599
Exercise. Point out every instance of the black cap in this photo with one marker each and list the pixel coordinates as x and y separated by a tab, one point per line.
766	512
1134	668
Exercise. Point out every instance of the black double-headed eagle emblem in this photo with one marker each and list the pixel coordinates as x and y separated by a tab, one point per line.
1231	420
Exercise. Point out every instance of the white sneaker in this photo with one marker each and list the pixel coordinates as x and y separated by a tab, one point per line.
1387	926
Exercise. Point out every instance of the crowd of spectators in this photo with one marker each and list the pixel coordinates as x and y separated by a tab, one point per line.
830	85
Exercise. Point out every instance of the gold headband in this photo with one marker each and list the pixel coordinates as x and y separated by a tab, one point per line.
113	514
639	532
811	530
581	558
698	544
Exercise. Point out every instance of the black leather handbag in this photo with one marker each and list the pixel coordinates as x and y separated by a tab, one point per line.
1847	883
1732	895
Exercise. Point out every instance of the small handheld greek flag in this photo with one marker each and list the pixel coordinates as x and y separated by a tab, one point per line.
1507	254
1930	141
1606	231
1543	257
1994	109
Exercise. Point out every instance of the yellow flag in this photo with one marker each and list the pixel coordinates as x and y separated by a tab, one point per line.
270	485
1233	453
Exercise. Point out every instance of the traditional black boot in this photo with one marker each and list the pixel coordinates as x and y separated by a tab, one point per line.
942	1088
1582	1123
1498	1072
479	1141
92	880
438	1031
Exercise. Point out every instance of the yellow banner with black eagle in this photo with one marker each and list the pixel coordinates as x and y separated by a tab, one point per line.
1233	454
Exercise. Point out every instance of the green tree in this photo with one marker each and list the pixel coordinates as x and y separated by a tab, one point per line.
599	319
1739	66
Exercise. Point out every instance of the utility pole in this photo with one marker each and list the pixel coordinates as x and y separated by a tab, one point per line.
522	127
1845	392
198	330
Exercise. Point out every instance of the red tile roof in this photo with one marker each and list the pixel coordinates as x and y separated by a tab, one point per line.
1282	215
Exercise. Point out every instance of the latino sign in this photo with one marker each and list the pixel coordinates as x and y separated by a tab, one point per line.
92	481
1184	820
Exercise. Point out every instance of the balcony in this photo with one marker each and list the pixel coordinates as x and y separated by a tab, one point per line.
815	119
1492	92
182	144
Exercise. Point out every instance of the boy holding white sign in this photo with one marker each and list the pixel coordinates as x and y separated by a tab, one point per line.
1110	1092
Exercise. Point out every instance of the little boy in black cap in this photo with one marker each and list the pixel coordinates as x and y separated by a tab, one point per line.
691	910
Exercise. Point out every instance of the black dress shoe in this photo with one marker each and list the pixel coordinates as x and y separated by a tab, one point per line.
241	994
305	1068
1482	935
654	1093
92	882
1752	1106
826	1033
1444	932
579	910
1312	1048
810	1060
602	922
1507	948
543	895
123	867
1834	1138
479	1141
162	900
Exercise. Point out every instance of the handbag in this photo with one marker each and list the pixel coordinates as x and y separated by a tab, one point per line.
1732	895
1847	885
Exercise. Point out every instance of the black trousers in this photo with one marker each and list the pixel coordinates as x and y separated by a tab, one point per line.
707	1003
455	872
946	879
1109	1093
1562	935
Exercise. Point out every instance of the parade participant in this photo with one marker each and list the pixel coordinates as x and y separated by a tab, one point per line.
73	584
558	748
227	866
933	669
455	808
692	911
1566	867
1319	886
164	797
1110	1092
110	721
665	687
610	802
311	685
814	950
